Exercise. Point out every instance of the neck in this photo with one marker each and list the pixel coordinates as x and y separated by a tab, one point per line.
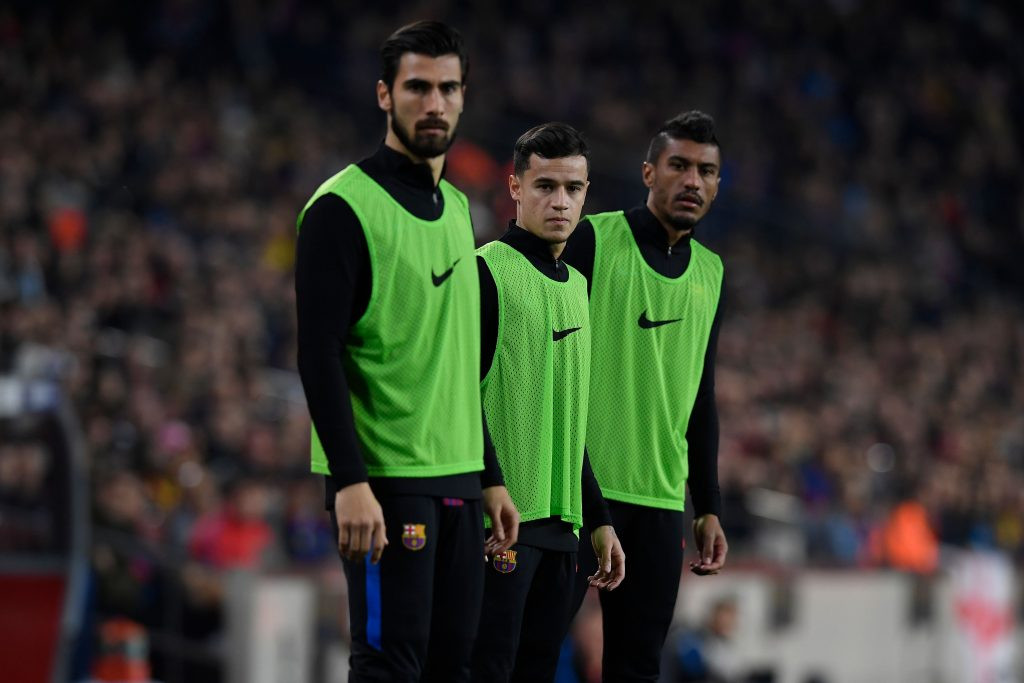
672	233
436	164
554	248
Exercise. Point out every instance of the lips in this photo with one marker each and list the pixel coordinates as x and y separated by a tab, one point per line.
691	199
435	126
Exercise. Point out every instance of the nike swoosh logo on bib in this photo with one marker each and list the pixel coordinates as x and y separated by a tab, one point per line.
562	334
646	323
439	279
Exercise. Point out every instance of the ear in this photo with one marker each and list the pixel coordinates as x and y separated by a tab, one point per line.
714	189
515	188
648	174
583	199
383	96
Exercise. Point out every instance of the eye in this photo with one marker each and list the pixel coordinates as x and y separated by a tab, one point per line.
449	88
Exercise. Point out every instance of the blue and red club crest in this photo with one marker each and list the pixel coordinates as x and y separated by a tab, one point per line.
414	536
505	561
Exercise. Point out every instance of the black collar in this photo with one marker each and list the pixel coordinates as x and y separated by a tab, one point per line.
527	243
648	229
536	251
417	175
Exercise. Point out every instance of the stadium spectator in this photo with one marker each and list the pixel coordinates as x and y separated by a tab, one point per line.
154	158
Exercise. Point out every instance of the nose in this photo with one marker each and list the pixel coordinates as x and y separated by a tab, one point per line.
692	178
561	199
434	101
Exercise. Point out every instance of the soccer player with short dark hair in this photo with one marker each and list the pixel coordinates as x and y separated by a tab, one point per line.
388	304
536	374
653	425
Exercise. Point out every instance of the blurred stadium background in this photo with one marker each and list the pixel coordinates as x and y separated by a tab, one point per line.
157	520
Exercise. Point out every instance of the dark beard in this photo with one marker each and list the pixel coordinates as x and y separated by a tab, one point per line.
425	148
686	225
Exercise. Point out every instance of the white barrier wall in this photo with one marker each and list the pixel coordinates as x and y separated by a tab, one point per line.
841	626
270	629
872	627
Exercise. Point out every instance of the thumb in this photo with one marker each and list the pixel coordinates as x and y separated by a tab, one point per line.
606	557
709	548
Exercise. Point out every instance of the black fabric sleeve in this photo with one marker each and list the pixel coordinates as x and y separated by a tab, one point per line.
491	475
579	250
702	432
488	316
332	265
595	508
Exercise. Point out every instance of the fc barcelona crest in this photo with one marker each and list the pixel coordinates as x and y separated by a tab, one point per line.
505	561
414	536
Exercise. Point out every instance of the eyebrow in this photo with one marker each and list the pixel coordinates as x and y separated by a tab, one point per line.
415	81
546	179
702	164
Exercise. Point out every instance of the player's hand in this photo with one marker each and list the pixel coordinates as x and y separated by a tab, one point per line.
360	523
504	520
710	543
611	560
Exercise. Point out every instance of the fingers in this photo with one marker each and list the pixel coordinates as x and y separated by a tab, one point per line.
603	577
360	523
504	519
491	546
713	552
497	533
611	575
343	539
364	535
511	526
701	569
618	567
357	539
380	539
504	531
611	560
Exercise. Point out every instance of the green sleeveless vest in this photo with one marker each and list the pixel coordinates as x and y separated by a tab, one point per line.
413	358
536	391
650	337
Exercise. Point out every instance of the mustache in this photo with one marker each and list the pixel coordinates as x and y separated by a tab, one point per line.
432	123
690	197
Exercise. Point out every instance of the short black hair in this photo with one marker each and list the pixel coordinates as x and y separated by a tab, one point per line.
692	125
430	38
550	141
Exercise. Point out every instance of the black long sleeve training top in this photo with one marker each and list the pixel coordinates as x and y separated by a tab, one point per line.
671	261
332	289
551	533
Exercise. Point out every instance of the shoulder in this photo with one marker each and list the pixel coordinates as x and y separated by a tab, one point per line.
703	252
452	193
599	220
327	213
575	275
338	182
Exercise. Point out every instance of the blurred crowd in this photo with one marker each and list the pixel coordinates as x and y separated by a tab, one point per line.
153	158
